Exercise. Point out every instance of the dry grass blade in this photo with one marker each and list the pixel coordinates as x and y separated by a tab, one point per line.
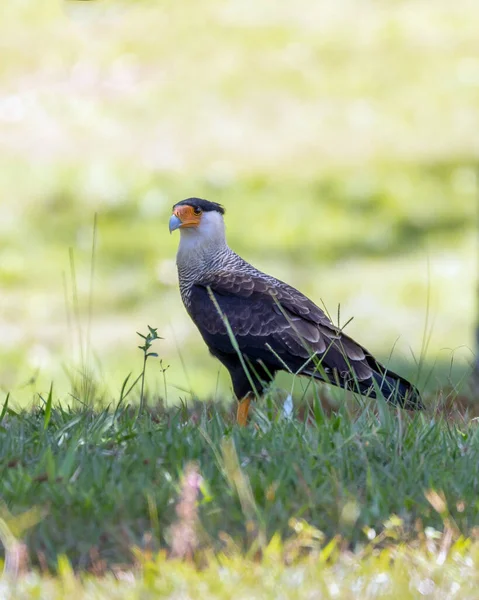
16	553
184	539
240	482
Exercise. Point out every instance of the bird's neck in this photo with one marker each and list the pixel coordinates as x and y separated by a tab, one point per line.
198	255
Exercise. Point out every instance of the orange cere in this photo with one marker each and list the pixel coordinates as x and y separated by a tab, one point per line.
187	216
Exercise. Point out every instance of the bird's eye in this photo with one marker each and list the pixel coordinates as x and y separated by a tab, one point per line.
197	210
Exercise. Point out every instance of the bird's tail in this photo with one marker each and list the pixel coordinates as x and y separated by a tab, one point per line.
395	390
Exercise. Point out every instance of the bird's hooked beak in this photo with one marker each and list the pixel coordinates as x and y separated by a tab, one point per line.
184	216
175	223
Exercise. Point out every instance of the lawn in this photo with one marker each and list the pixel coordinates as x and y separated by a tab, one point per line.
321	499
342	139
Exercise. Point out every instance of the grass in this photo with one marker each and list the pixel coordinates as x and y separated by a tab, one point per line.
105	482
363	500
393	573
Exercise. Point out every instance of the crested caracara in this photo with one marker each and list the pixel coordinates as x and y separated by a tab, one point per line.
275	327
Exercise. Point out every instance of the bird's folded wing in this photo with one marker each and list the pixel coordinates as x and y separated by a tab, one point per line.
268	318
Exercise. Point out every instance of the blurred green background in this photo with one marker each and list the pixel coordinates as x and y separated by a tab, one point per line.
342	138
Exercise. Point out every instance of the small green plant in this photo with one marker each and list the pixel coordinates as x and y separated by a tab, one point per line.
149	338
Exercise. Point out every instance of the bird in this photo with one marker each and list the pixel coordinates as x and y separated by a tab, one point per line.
257	325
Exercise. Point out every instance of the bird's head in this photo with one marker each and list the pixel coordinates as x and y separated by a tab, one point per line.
197	216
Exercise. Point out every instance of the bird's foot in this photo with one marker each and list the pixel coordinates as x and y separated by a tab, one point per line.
243	410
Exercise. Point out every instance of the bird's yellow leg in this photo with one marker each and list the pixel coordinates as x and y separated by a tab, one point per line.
243	410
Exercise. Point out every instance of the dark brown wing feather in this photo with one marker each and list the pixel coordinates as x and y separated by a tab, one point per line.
275	323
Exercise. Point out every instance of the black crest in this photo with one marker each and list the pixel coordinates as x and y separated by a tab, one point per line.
204	205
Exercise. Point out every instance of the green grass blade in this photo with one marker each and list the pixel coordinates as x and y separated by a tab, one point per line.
48	408
5	407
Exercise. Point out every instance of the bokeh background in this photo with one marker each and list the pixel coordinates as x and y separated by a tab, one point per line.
342	138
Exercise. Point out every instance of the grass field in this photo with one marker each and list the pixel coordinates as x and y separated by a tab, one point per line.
352	500
342	139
